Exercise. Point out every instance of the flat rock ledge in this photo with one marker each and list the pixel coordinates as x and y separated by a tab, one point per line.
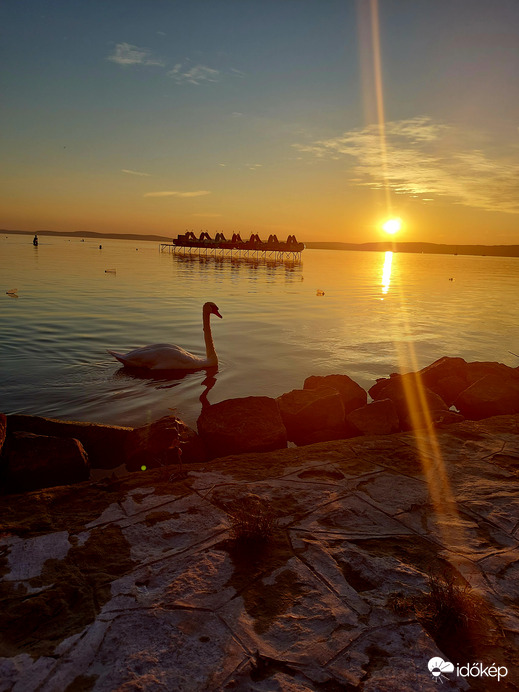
142	582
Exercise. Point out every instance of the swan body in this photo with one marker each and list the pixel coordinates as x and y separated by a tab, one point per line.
170	357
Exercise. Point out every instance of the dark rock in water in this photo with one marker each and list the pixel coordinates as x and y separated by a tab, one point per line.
312	415
447	377
479	369
413	401
104	444
376	390
157	444
352	394
3	429
377	418
32	461
478	390
493	395
235	426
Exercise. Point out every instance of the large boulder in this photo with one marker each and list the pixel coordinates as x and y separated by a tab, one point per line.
312	415
377	418
376	391
447	377
158	444
237	426
415	404
352	394
104	444
479	369
30	462
493	395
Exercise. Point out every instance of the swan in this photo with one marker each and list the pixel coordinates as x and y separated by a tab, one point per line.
169	357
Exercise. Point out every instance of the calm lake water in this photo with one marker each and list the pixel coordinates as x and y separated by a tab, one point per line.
380	313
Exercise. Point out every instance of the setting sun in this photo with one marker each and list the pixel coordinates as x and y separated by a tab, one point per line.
392	226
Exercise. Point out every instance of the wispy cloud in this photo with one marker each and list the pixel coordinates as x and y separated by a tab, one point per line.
177	193
126	54
184	74
426	159
126	170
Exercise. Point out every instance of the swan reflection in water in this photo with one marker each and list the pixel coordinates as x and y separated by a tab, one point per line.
167	379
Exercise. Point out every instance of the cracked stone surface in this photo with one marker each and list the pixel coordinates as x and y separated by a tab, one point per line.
141	583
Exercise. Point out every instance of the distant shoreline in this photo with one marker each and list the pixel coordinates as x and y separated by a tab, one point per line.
426	248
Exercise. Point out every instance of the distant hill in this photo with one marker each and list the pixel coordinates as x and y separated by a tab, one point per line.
92	234
426	248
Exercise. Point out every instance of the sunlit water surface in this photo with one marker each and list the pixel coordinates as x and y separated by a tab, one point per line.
379	314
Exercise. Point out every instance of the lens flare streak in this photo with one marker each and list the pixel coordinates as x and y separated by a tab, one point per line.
421	422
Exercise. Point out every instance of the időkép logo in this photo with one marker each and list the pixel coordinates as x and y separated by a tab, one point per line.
439	668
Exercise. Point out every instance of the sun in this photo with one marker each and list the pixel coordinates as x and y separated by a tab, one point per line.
392	226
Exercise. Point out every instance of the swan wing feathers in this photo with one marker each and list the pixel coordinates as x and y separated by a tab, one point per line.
159	357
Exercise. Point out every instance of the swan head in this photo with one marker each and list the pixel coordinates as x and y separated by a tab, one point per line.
212	309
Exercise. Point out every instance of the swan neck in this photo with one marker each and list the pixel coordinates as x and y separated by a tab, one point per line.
208	338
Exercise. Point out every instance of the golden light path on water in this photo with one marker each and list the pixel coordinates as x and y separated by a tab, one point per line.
386	272
433	465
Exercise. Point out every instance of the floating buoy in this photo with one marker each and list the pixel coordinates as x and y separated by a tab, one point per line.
320	292
110	271
12	291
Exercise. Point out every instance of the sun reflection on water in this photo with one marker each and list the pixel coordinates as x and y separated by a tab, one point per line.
386	272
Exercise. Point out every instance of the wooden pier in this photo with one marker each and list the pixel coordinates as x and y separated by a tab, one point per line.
219	247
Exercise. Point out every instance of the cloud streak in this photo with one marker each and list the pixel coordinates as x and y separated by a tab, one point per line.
183	74
126	170
177	193
125	54
427	159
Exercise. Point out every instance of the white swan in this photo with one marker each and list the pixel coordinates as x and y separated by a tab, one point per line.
169	357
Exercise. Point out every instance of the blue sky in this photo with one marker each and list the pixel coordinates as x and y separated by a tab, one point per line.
157	116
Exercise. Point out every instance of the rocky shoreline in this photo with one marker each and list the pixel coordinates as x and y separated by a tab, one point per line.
378	555
37	452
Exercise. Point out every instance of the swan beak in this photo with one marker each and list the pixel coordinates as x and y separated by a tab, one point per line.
217	314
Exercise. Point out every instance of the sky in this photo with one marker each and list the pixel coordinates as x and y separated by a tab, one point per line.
319	118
